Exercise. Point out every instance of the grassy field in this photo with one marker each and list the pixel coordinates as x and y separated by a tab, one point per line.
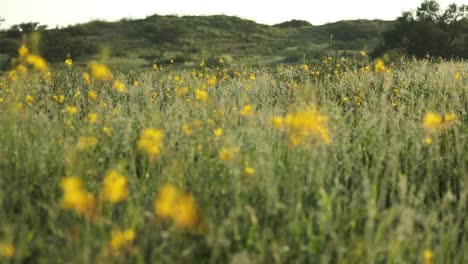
342	162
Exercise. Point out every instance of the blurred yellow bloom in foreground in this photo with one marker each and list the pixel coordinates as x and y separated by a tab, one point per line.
150	142
23	51
100	71
201	95
121	239
249	170
179	207
92	118
37	62
76	197
218	132
306	125
114	187
7	250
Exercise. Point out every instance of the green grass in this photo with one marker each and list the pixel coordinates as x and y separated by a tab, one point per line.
376	194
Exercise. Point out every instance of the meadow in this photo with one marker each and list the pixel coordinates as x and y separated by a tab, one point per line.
346	161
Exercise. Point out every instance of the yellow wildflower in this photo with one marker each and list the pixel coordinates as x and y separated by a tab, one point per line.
450	117
218	132
457	76
7	250
23	51
155	67
86	78
247	110
59	98
186	129
121	239
249	170
37	62
106	130
380	66
428	257
93	118
150	142
69	62
428	140
75	196
432	122
228	154
92	95
71	110
305	125
252	77
119	86
277	122
29	99
363	53
394	104
114	187
201	95
100	71
181	208
85	143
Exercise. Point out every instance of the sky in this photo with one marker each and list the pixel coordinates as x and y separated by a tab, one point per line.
67	12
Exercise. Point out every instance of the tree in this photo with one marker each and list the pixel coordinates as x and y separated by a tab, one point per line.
429	30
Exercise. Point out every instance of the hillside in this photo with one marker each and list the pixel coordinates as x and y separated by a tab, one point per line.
188	39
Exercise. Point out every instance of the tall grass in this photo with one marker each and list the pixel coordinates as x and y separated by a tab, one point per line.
377	193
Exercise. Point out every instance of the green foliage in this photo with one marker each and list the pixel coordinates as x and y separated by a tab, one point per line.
376	194
428	30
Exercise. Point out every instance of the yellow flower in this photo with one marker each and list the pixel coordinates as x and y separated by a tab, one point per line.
119	86
121	239
171	204
150	142
252	77
93	118
249	170
71	110
305	67
432	122
37	62
394	103
85	143
114	187
305	125
166	201
100	71
428	140
69	62
106	130
457	76
185	213
277	122
59	98
92	95
428	257
186	129
201	95
29	99
450	117
23	51
218	132
75	196
363	53
380	66
247	110
7	250
155	67
2	100
228	154
86	78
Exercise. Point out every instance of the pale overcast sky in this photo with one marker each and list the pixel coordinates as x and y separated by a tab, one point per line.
65	12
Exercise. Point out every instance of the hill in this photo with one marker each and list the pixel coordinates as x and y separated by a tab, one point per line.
187	39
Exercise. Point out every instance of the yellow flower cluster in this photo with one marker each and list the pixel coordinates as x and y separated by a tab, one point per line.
100	71
76	197
380	66
121	239
303	126
150	142
434	123
114	187
85	143
228	154
181	208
